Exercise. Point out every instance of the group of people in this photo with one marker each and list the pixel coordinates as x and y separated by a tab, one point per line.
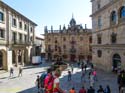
92	74
91	90
12	71
49	82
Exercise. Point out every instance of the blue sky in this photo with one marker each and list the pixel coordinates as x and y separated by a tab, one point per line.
53	12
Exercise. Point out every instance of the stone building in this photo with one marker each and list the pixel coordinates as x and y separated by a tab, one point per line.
39	46
108	23
17	35
68	44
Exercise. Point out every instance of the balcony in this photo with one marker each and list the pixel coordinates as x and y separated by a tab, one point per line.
21	42
2	42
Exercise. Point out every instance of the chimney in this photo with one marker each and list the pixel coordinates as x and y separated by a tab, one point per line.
51	29
85	26
60	27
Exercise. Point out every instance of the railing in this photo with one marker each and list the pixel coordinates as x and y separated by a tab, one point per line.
20	42
2	42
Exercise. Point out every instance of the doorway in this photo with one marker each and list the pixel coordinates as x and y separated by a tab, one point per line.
72	57
116	60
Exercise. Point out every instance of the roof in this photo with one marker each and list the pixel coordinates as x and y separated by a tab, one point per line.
4	4
40	38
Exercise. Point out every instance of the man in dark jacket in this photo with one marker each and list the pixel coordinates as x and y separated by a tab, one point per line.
91	90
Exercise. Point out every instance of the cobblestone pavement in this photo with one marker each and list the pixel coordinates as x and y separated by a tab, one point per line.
26	83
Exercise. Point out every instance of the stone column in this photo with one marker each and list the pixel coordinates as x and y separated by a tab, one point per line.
16	52
22	57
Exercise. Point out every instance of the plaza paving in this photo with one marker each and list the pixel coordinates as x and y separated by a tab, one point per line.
26	83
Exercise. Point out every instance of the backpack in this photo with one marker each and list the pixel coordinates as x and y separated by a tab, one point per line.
48	82
42	78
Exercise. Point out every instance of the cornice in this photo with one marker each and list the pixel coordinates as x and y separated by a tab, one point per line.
104	7
108	45
109	28
16	12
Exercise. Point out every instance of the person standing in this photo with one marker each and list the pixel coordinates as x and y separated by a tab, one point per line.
82	90
83	76
56	84
20	71
72	90
91	90
107	89
69	75
95	75
92	80
37	82
72	68
11	72
82	66
100	90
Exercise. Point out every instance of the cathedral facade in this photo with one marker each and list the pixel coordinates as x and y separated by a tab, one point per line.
68	44
108	23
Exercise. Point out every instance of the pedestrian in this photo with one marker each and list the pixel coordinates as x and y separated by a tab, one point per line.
56	85
48	81
42	78
100	90
11	72
92	80
72	68
92	66
78	63
91	90
95	75
72	90
107	89
82	66
85	66
82	90
69	75
37	82
83	76
20	71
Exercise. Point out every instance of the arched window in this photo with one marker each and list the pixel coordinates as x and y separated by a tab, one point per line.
122	12
113	17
